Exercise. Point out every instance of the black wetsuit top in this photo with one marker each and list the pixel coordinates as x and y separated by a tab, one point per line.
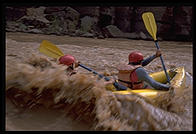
143	75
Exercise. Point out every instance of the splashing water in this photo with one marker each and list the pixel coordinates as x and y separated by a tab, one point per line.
82	99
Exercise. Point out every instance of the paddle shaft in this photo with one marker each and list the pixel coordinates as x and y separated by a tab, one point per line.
116	84
151	27
91	70
168	79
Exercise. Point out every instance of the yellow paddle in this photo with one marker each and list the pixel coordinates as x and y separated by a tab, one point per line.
151	27
50	50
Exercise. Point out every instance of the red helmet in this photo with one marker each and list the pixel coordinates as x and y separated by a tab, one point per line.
135	57
66	59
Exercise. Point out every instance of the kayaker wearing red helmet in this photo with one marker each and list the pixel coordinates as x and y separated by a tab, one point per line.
134	76
71	62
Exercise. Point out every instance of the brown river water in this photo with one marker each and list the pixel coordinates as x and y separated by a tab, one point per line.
41	97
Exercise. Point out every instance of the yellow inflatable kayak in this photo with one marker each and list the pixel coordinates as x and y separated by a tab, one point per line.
177	77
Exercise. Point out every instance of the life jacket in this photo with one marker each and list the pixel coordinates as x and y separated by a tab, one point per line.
127	76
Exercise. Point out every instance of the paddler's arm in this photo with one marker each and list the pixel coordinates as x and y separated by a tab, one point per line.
151	58
143	76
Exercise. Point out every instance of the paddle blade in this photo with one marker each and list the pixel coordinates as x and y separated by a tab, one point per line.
150	24
50	49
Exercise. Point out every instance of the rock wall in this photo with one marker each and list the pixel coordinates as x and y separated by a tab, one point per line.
173	23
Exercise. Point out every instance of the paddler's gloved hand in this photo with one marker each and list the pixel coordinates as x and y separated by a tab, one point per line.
119	87
158	53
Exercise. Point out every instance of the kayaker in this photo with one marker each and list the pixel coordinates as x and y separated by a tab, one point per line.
134	76
69	61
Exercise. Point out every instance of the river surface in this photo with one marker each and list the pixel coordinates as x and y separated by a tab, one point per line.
47	100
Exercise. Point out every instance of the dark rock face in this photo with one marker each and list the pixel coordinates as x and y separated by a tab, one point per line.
50	10
88	11
14	13
112	31
123	18
173	23
182	22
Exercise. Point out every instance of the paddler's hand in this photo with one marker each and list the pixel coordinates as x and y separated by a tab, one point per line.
158	53
77	64
111	81
109	85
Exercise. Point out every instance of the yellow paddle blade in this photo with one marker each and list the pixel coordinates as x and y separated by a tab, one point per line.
50	49
150	24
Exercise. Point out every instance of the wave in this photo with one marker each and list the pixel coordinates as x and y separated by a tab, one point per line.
39	82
